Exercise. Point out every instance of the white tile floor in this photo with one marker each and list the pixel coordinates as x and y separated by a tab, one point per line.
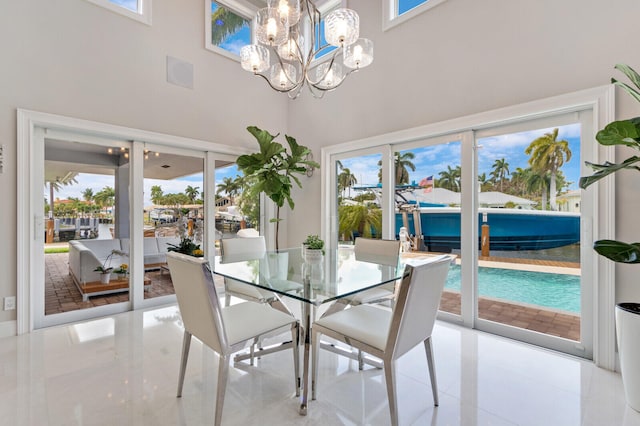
122	370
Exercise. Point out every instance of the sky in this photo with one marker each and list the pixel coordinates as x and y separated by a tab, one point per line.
432	160
234	42
127	4
406	5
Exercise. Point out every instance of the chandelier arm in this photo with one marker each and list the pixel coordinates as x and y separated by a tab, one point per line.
276	88
308	67
328	89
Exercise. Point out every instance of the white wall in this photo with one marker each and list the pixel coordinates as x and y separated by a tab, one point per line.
469	56
71	57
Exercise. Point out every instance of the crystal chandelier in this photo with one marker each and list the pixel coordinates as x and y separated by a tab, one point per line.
288	33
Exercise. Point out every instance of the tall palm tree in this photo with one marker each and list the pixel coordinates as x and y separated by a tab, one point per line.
105	197
87	194
535	182
482	181
500	171
402	163
346	180
192	193
450	178
547	155
156	194
229	186
56	184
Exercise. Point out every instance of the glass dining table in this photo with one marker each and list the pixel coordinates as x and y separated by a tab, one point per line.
336	276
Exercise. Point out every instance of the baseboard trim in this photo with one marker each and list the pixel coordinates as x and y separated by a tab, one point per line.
8	328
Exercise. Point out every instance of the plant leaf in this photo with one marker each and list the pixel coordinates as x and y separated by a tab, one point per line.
618	251
603	170
625	132
630	73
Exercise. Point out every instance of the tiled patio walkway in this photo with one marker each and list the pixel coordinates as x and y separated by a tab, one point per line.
63	296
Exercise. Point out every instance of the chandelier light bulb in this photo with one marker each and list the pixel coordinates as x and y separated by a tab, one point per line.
288	9
272	29
342	27
254	58
283	76
329	77
359	54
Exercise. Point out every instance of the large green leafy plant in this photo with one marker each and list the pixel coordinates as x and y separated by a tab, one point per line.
273	169
626	133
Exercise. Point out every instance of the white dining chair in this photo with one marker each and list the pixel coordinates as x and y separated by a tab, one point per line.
225	330
385	252
250	248
390	334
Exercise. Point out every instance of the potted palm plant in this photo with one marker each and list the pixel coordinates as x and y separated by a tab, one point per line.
273	169
625	133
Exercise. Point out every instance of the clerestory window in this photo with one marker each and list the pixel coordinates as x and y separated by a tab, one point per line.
396	12
140	10
227	27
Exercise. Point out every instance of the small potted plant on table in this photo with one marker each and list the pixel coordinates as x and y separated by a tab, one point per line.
313	248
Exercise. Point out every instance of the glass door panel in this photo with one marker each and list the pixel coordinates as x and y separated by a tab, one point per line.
173	214
237	206
359	194
428	199
86	193
529	273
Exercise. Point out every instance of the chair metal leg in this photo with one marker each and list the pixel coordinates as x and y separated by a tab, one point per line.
390	378
227	299
223	375
428	347
295	335
252	350
315	345
186	344
360	360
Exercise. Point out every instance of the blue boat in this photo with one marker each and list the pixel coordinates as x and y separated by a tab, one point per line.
509	229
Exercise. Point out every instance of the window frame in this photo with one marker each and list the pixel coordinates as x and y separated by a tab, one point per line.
391	19
143	14
244	10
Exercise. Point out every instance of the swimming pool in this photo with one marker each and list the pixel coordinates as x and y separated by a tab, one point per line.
556	291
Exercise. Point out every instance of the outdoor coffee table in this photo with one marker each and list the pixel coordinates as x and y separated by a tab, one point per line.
96	288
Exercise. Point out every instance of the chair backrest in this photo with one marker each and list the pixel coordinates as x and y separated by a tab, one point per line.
239	249
243	248
385	252
198	301
248	233
414	313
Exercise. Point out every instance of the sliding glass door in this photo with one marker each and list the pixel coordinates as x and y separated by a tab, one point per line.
531	216
504	202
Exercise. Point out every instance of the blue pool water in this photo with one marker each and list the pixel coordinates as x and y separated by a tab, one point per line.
556	291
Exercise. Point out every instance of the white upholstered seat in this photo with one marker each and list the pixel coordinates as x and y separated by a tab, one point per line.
225	330
390	334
